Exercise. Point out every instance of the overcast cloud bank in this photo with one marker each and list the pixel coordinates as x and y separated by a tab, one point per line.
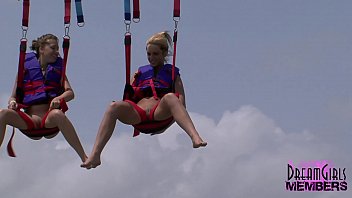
247	156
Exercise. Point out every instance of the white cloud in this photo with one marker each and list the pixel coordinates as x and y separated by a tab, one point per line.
246	156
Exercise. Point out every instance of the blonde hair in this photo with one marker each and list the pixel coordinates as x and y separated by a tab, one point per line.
41	41
163	40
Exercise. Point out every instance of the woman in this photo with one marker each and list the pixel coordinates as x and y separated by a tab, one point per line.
42	96
151	100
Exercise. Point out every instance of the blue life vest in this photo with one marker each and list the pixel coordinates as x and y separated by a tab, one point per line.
145	77
38	88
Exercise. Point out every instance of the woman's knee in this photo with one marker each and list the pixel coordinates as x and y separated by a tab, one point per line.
4	113
56	114
170	98
122	111
11	117
55	118
115	107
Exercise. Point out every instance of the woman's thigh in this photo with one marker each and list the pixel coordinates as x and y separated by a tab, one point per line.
163	110
54	117
12	118
124	112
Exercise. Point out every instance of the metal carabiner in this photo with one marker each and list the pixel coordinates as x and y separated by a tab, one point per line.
128	27
67	30
24	32
176	24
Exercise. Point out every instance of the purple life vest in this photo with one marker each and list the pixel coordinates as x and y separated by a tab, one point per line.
38	88
145	76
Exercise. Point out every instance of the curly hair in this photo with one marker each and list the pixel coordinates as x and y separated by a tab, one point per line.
41	41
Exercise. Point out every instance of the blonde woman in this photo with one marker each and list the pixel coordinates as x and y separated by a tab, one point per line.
152	106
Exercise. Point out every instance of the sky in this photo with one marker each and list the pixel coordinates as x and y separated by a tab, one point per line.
267	83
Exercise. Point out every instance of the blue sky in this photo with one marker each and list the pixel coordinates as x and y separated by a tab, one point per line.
265	81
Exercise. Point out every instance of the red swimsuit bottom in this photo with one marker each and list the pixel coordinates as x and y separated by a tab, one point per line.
32	130
148	125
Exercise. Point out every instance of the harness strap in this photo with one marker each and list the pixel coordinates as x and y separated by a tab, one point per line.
127	41
136	12
29	123
64	108
177	9
155	95
20	75
174	60
30	85
127	5
25	16
65	47
10	150
176	18
79	12
67	17
128	57
39	90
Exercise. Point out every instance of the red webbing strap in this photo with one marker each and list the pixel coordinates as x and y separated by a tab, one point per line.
29	123
128	57
25	16
23	48
174	61
65	47
177	10
67	17
177	5
136	132
126	93
10	150
155	95
63	106
136	11
20	71
24	116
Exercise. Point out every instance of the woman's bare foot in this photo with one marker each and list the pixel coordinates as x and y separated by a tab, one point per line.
84	158
199	143
91	162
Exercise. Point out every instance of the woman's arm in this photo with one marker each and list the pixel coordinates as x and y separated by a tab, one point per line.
67	95
13	94
12	100
179	89
68	91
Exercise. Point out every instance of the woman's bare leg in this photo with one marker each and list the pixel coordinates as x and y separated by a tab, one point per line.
57	118
170	105
121	111
10	117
